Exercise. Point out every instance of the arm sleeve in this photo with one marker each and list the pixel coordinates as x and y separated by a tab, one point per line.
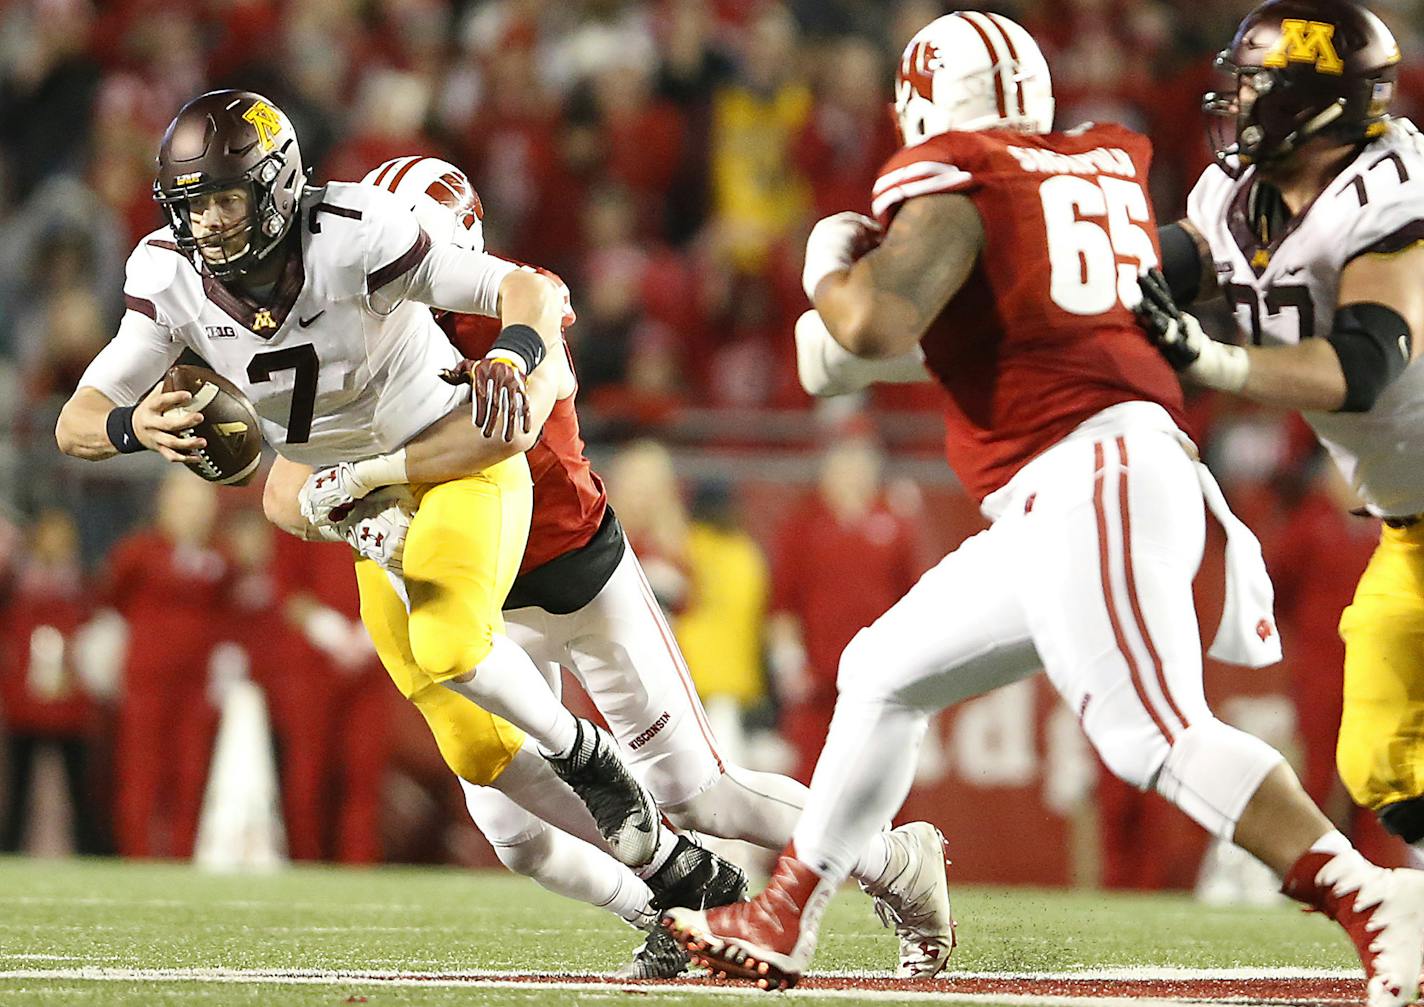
135	359
459	279
402	263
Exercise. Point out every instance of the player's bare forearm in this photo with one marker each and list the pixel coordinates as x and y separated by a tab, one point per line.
453	447
1310	375
279	498
884	303
1305	376
81	430
526	298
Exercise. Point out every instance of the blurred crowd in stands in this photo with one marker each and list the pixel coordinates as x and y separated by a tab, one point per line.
667	158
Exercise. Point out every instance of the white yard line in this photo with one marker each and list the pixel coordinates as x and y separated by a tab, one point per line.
511	980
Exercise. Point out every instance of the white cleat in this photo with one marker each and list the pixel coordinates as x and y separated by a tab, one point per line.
913	897
1382	910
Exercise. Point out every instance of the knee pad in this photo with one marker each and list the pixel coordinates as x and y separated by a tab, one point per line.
1404	819
1211	773
445	648
476	745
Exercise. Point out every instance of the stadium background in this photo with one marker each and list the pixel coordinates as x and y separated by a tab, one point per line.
667	158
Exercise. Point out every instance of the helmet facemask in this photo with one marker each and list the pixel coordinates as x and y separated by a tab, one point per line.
265	226
1255	121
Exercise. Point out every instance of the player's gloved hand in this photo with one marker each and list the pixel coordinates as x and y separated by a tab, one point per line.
1179	337
328	494
501	396
162	423
377	526
500	393
835	243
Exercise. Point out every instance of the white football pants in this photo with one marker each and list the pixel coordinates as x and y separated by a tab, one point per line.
1086	573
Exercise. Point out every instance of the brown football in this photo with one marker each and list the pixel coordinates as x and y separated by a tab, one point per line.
234	448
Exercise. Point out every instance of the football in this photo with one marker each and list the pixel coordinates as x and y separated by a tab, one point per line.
234	448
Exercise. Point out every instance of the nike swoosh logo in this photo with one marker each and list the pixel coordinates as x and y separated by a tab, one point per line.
304	322
1292	271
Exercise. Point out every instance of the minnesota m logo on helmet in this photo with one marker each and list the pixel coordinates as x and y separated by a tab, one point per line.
266	120
1304	41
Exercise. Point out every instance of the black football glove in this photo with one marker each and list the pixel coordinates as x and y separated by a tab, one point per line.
1175	333
1178	336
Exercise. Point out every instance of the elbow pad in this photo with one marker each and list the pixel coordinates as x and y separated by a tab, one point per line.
1181	263
1374	345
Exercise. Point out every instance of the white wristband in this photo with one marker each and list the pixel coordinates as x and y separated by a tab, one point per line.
1221	366
382	470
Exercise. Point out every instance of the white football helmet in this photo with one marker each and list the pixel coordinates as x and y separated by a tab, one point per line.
440	194
972	70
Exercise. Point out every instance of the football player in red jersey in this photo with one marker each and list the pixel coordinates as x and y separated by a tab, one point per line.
581	601
1009	255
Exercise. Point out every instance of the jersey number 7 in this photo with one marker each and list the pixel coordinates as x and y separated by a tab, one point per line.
303	360
1093	226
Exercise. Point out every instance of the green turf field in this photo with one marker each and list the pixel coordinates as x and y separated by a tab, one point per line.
73	915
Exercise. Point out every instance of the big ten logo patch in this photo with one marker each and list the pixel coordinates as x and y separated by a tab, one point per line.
1304	41
220	332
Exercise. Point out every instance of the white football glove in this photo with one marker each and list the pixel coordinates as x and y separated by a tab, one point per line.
835	243
377	526
329	493
827	368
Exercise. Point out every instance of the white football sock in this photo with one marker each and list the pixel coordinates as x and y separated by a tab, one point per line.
763	808
556	860
861	779
667	842
507	684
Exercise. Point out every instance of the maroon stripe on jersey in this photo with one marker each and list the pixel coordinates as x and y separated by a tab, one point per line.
340	211
412	258
994	61
396	179
142	305
675	656
389	167
1132	590
1105	572
172	246
998	22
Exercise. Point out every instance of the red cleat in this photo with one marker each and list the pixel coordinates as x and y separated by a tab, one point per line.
769	940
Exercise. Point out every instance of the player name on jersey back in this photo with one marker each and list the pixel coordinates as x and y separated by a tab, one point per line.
1042	336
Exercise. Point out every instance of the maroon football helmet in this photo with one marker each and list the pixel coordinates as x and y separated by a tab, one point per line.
1301	69
223	140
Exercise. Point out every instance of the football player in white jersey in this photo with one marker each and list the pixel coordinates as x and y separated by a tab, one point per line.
602	625
313	302
1311	225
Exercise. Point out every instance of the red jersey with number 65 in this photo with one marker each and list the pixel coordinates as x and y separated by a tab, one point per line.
1040	338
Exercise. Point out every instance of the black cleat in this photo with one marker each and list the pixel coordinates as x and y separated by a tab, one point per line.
697	878
660	957
622	810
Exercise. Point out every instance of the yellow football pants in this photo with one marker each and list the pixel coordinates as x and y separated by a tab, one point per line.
462	553
1380	753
